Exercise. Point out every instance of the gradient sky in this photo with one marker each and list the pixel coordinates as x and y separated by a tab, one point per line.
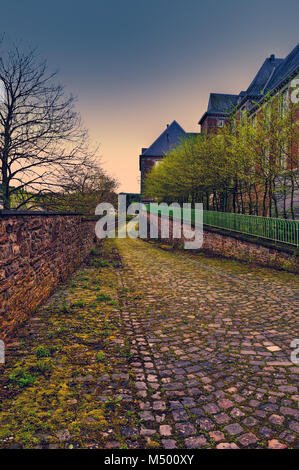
137	65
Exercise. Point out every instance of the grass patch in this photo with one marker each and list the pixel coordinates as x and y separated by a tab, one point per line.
42	351
100	357
99	263
21	378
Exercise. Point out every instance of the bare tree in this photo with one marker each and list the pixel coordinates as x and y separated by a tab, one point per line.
40	131
82	187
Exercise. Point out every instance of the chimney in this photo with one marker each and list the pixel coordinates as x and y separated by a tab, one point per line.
272	57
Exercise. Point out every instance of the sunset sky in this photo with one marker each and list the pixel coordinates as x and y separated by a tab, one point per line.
137	65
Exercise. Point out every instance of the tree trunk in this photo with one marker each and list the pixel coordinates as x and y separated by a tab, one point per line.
292	196
208	200
270	197
5	183
265	199
275	200
250	208
285	198
235	196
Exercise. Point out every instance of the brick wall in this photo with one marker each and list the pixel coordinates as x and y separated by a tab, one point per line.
217	242
36	253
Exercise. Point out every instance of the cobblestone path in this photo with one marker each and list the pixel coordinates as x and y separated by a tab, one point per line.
144	347
211	350
66	381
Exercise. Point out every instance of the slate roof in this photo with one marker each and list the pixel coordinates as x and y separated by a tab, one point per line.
270	76
260	81
287	67
169	139
221	102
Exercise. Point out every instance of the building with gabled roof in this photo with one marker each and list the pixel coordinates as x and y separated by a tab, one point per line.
273	75
167	140
222	105
263	76
287	70
219	108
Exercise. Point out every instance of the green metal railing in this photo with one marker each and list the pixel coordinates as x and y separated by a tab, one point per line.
278	230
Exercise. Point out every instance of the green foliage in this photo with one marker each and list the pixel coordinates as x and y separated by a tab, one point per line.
100	357
21	378
42	351
113	403
124	351
42	368
247	167
103	298
63	308
99	263
79	304
103	262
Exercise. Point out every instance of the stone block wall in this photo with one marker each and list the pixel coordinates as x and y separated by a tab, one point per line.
218	242
37	251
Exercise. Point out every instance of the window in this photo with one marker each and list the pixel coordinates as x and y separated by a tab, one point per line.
220	122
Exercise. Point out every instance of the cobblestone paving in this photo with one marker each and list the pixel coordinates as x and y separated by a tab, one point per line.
66	381
148	348
210	345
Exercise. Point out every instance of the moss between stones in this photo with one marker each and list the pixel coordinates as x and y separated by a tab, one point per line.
52	388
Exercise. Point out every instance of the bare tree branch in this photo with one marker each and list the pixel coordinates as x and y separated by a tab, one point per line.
41	134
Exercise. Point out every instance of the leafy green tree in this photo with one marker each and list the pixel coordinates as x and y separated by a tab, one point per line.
249	167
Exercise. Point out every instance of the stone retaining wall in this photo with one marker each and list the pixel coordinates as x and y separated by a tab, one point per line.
218	242
37	251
